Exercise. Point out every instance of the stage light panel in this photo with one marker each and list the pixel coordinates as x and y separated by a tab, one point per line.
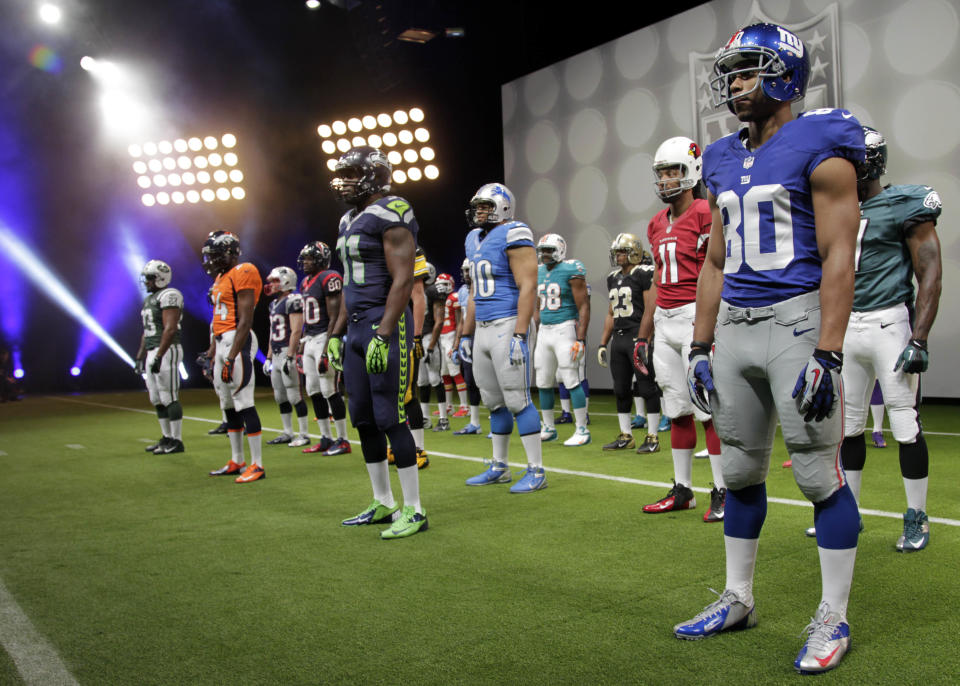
155	165
394	157
238	193
180	145
374	141
193	196
389	139
230	159
210	143
358	141
405	137
143	181
421	135
140	167
203	177
399	176
325	131
177	197
416	114
200	162
189	178
220	176
160	180
150	149
236	175
343	145
207	194
384	119
400	117
410	155
369	121
431	171
163	198
331	164
228	140
426	153
223	194
169	163
339	127
215	159
165	147
354	124
195	144
184	162
135	150
173	179
148	200
414	173
328	147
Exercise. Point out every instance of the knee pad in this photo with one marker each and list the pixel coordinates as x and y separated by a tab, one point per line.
320	409
234	421
853	452
501	421
914	459
904	424
251	420
745	511
174	411
683	433
373	443
337	409
401	442
414	414
301	408
285	407
161	411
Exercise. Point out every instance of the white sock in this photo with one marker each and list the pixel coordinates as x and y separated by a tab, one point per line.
303	423
286	418
836	575
877	412
741	561
176	428
566	405
410	487
683	466
624	419
425	409
653	423
164	426
548	421
580	417
855	480
443	410
341	425
717	470
417	437
463	396
380	481
501	445
324	425
641	405
236	446
916	493
256	448
475	415
534	449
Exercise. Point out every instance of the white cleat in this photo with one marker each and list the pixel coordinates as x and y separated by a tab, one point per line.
580	437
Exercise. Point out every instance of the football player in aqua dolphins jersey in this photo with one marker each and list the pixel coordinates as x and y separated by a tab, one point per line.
236	291
678	237
377	243
473	392
322	301
563	316
774	298
887	334
286	327
161	314
503	269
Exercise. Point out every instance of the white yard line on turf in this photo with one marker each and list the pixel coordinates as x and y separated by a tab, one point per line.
555	470
36	660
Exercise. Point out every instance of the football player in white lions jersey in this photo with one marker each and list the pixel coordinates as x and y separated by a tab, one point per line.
774	295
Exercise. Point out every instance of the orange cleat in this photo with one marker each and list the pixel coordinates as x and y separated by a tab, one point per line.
230	468
252	473
462	412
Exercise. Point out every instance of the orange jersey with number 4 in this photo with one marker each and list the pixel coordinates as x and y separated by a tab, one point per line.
225	288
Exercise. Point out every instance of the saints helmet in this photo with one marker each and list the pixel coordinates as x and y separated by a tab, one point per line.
155	275
628	243
280	280
777	55
370	173
875	164
497	195
219	251
445	284
551	249
319	252
677	152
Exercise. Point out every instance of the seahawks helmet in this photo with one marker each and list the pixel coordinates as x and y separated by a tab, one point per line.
465	270
677	152
875	164
445	284
777	55
497	195
361	172
155	275
220	250
319	252
280	280
551	249
628	243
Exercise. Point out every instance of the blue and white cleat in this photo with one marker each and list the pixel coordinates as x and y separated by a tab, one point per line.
726	614
468	429
664	424
565	418
498	473
547	434
828	639
638	422
534	479
580	437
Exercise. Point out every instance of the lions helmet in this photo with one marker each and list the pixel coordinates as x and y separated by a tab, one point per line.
465	270
431	274
280	280
678	152
776	55
628	243
361	172
551	249
498	199
156	275
445	284
875	164
319	253
219	251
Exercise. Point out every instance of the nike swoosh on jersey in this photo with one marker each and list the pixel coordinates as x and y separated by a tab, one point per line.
885	325
803	331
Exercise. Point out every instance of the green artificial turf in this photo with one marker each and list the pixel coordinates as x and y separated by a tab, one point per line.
143	570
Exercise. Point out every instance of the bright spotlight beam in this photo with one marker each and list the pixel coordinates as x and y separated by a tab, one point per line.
48	283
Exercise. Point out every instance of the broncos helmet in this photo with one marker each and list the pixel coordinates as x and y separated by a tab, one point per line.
551	249
370	172
628	243
778	57
495	194
280	280
319	252
875	164
219	251
677	152
445	284
155	275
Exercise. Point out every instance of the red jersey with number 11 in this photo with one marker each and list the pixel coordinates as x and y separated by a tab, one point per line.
679	249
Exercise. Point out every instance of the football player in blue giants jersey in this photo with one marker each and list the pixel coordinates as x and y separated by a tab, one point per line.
887	334
773	300
377	246
503	269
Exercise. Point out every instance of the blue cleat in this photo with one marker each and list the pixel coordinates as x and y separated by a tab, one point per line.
664	424
638	422
534	479
565	418
468	429
726	614
498	473
828	639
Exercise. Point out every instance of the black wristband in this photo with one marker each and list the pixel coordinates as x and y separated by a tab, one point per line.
700	345
521	335
919	343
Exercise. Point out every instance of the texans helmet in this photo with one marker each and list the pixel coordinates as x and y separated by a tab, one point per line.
220	251
280	280
551	249
156	275
875	164
319	253
777	56
495	197
361	172
677	152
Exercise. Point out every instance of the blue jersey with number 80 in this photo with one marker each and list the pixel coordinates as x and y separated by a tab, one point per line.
767	208
494	289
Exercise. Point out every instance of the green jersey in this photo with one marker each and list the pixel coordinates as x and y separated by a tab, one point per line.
152	315
884	266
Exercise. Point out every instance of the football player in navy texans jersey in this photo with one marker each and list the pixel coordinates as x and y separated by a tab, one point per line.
377	246
774	298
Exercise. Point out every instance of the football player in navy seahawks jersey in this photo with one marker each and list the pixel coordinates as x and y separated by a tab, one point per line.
503	270
774	298
377	246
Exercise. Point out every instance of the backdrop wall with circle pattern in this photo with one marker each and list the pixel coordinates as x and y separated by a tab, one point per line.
579	136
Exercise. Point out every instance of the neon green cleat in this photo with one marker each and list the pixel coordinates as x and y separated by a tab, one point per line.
376	513
409	523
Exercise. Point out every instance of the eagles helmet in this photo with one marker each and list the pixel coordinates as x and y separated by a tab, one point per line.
155	275
778	57
875	164
219	251
445	284
495	194
677	152
369	173
431	274
280	280
628	243
319	252
465	270
551	249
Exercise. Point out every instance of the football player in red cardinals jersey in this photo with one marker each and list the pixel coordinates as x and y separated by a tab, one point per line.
678	240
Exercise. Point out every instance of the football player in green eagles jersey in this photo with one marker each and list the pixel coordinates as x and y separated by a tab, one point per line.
887	334
160	354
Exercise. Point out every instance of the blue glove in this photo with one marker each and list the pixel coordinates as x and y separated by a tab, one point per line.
466	349
814	390
518	349
700	377
455	356
914	358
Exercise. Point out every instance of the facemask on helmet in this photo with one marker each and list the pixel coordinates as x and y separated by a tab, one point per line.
680	154
361	172
551	249
492	204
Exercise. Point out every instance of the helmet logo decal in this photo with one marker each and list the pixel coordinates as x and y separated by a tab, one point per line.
788	41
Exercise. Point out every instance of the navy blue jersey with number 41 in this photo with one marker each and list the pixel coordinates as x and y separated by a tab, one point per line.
767	208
